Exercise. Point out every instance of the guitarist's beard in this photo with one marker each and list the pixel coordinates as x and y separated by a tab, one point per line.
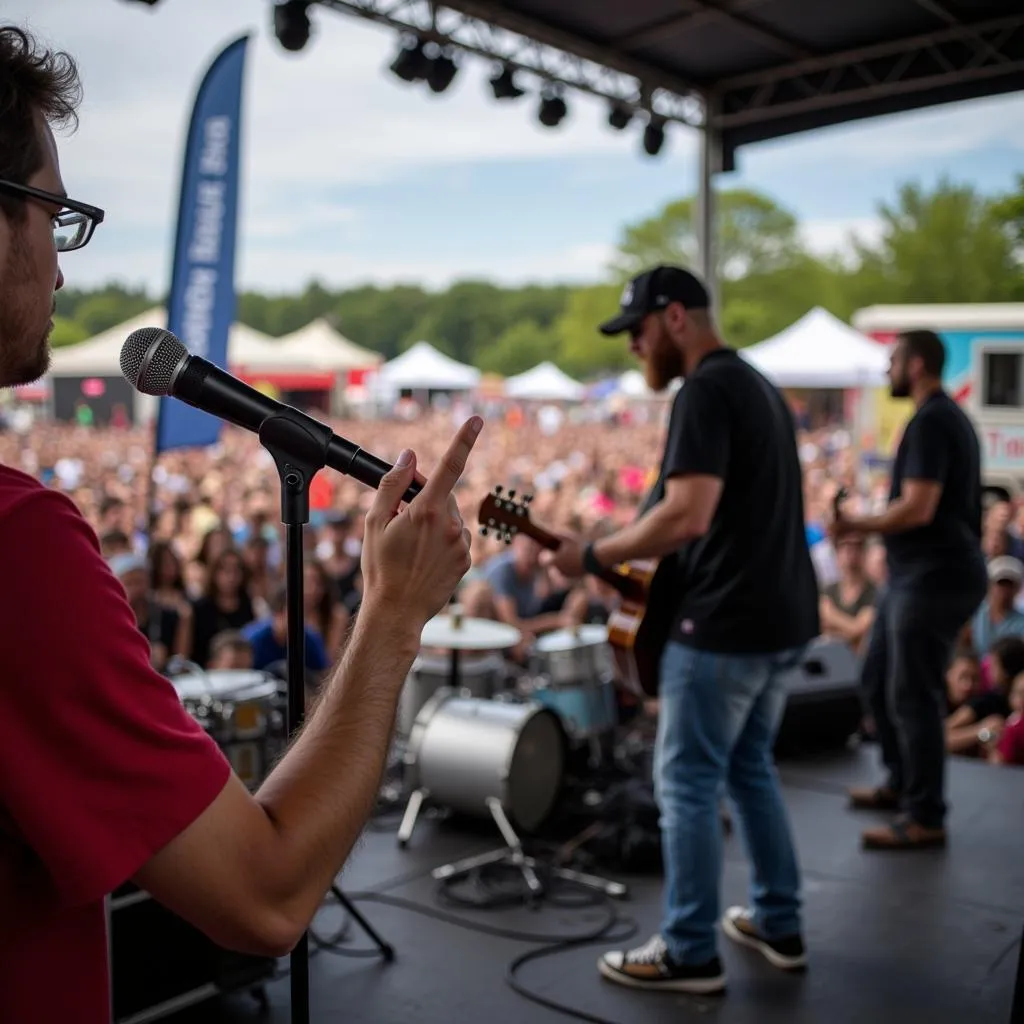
664	363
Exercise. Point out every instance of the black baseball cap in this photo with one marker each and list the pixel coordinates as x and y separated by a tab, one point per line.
653	290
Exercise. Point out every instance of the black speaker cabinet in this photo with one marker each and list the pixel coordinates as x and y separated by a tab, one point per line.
160	964
824	706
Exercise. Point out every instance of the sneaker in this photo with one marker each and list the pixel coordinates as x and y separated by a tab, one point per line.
788	954
649	966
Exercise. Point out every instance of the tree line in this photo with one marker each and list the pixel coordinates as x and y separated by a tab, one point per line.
947	244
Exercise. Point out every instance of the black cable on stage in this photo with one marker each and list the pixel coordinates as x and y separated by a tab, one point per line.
499	887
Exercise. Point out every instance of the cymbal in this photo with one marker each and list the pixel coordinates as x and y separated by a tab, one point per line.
463	634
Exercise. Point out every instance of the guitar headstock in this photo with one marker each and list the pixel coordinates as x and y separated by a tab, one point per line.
505	515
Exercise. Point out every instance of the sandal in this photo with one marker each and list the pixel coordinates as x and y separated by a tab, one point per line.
904	834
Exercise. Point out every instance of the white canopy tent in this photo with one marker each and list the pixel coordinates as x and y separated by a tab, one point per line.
820	351
545	382
100	356
317	346
423	368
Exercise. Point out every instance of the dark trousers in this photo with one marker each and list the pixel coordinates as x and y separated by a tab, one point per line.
904	682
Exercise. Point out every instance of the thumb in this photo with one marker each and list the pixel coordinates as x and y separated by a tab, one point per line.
390	490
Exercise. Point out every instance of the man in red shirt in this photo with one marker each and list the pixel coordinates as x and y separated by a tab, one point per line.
103	776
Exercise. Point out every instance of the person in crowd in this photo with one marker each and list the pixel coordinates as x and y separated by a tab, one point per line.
226	603
962	679
268	638
124	783
1009	747
727	510
974	727
937	579
162	625
997	615
324	610
848	605
230	651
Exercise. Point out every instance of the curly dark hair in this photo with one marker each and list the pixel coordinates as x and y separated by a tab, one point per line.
33	81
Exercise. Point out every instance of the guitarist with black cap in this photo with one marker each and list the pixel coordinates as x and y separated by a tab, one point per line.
728	508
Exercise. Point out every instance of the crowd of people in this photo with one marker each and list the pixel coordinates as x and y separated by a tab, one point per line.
205	571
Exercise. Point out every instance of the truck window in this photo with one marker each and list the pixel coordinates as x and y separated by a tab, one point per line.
1002	380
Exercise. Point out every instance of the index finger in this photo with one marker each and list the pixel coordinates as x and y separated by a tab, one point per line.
453	463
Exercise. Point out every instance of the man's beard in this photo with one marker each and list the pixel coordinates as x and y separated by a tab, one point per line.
899	387
662	366
24	348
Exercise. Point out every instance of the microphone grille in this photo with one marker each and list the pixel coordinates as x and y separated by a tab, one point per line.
149	358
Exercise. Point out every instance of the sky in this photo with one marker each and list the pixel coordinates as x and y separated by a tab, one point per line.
352	176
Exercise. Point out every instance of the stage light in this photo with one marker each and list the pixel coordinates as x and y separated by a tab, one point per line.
619	116
503	84
412	64
654	135
291	24
552	109
442	72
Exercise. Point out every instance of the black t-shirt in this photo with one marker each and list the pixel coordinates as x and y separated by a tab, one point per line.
208	620
748	585
940	444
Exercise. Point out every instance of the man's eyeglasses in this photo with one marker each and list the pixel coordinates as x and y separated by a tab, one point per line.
75	222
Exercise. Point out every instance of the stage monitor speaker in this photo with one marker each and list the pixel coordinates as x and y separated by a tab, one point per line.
823	705
160	964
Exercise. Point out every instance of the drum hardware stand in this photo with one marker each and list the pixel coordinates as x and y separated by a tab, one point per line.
513	855
298	447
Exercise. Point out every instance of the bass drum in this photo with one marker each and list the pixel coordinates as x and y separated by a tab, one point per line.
463	751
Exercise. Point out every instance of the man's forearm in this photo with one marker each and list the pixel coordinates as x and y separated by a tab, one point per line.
899	516
320	796
657	533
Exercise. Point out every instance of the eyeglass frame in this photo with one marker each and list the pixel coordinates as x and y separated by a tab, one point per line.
94	213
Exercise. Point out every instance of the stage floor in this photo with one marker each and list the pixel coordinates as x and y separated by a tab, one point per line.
927	937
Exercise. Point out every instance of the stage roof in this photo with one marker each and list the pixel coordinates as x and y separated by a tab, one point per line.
774	67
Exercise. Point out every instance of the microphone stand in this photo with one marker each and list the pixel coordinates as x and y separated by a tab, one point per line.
298	446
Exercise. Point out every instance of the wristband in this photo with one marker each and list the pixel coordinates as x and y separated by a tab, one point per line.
590	562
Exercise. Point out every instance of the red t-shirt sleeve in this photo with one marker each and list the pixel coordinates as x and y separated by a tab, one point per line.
100	765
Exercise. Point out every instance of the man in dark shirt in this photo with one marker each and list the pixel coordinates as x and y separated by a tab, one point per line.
728	510
937	579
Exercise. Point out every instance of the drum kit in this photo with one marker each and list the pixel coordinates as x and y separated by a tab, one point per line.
470	736
476	740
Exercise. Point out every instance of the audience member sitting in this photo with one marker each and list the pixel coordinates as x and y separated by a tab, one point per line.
848	605
517	590
269	638
961	679
1009	748
978	723
162	626
997	617
230	651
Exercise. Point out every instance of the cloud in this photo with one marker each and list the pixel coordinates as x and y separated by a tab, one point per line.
829	237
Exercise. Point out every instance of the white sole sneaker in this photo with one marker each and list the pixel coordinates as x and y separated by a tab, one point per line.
743	938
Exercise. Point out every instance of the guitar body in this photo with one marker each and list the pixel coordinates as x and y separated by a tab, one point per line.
640	624
639	627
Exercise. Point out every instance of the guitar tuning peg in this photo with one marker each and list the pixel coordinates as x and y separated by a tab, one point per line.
512	495
498	489
527	498
484	531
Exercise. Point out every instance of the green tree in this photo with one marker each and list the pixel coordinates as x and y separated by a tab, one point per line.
582	348
66	332
947	245
521	347
753	235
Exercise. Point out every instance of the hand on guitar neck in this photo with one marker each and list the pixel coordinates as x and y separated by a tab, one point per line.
638	626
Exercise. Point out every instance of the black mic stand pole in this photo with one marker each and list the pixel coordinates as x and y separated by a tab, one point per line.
298	446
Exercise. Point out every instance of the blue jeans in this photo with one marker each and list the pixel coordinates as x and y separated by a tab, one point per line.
717	721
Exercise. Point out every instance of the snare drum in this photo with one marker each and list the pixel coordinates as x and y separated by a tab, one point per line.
463	751
480	676
575	655
243	714
574	677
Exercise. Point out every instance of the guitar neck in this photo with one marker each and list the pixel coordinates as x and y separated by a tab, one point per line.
619	580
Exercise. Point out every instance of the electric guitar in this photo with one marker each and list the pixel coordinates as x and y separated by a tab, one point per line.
639	626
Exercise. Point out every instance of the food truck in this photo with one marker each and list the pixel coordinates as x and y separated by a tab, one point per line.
984	373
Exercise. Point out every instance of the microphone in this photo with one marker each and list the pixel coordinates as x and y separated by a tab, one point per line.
156	362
